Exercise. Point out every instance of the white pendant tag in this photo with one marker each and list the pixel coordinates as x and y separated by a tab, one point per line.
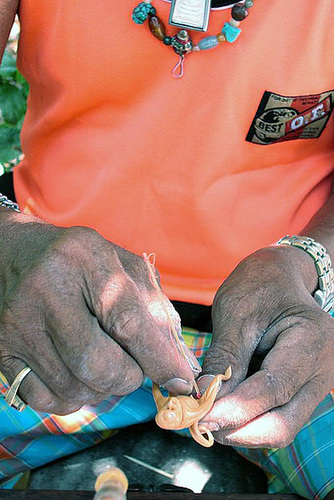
190	14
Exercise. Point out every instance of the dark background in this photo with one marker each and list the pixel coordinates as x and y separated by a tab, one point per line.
6	186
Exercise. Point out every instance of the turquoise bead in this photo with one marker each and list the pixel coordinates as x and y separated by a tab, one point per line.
141	12
249	4
231	32
209	42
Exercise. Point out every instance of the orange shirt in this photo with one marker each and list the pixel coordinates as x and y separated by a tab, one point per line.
113	141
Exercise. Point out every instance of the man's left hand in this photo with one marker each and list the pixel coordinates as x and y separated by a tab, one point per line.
265	308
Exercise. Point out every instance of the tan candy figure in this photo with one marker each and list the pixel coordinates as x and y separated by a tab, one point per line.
181	412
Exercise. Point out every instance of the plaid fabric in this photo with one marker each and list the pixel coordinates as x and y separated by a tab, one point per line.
198	342
306	466
31	439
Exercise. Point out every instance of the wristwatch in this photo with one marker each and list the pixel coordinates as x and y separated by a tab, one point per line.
324	296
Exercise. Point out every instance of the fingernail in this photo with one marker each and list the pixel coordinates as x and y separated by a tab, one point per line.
178	386
190	357
204	381
192	360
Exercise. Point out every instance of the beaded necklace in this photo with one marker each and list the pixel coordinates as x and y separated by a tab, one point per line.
181	42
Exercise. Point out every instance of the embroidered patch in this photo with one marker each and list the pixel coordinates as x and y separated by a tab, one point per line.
280	119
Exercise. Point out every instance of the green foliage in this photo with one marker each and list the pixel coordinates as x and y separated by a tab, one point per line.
13	96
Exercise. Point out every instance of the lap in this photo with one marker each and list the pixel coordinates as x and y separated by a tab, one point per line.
306	466
30	439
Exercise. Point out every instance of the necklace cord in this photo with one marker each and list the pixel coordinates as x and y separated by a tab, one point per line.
181	42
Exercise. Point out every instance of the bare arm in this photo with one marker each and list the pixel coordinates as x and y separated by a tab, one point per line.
8	9
122	334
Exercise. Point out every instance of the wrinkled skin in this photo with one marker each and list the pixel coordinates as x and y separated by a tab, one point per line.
265	310
83	314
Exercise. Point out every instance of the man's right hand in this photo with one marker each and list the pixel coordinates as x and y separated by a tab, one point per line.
83	314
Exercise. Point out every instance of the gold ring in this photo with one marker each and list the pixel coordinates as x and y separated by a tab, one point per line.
11	396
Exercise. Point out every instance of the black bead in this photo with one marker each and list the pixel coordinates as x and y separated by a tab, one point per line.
239	12
167	40
220	3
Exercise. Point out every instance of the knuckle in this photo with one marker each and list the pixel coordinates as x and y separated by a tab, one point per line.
126	320
220	356
126	381
128	384
112	374
74	395
81	234
72	250
221	302
118	299
77	242
137	266
40	401
37	284
132	260
43	401
280	387
129	323
117	383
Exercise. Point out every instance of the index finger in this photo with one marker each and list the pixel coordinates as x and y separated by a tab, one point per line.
130	313
152	344
147	280
230	347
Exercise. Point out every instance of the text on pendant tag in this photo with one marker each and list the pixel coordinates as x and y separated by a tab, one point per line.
190	14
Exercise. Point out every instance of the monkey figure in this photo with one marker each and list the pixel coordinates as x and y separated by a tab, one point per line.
181	412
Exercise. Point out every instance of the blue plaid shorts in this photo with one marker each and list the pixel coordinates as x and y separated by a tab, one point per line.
31	439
